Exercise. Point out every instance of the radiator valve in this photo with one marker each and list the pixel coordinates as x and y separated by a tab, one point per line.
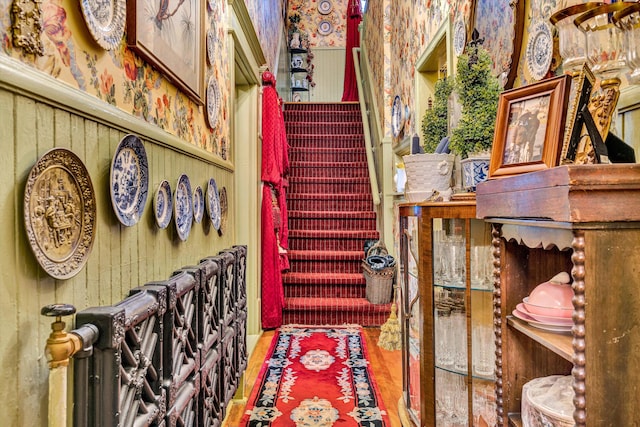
61	345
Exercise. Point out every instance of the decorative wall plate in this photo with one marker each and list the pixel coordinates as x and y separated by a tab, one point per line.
198	204
211	46
213	203
213	102
325	7
105	20
396	116
407	115
539	50
60	213
459	37
129	180
163	204
183	207
325	28
224	209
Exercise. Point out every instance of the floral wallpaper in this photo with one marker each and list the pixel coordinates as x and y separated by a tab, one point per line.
121	78
327	29
268	21
398	31
376	34
413	26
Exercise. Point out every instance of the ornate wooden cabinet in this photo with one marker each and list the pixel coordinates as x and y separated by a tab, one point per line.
584	220
446	297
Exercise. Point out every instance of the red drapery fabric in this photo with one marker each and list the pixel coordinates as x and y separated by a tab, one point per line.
274	232
354	17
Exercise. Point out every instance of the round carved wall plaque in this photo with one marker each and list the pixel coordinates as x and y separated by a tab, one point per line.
60	213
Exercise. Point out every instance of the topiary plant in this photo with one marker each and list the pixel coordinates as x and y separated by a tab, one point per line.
434	121
479	92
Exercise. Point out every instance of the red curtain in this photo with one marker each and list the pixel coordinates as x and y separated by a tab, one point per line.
275	166
354	17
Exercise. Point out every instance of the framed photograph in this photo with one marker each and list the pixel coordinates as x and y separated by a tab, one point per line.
530	126
582	83
169	35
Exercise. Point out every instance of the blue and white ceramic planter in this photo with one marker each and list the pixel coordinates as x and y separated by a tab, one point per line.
474	171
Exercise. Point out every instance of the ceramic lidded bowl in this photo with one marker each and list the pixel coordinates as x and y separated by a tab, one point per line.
552	298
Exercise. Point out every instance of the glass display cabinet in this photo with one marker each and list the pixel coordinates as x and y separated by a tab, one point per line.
446	289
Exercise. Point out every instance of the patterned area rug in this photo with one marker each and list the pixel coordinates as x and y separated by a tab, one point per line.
316	376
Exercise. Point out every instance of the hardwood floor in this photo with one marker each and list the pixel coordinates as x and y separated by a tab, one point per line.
386	365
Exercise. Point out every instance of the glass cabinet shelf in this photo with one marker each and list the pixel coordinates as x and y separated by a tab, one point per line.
447	311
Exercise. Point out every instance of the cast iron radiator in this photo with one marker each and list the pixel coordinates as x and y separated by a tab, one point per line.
171	353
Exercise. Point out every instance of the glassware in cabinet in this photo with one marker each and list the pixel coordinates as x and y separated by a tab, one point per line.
448	375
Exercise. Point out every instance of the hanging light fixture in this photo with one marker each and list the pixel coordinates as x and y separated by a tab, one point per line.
604	48
628	19
572	41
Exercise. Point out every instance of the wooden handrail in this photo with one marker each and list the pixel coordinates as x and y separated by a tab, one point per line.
373	177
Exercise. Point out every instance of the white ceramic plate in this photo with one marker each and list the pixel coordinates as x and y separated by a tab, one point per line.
325	7
396	116
105	20
163	204
183	207
213	203
129	180
213	102
198	204
325	28
539	50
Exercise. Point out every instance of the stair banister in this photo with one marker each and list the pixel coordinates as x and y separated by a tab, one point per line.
373	177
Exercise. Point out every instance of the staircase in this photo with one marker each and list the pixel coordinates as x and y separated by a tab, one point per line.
331	216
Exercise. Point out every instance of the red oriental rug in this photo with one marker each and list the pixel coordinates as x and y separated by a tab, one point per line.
316	376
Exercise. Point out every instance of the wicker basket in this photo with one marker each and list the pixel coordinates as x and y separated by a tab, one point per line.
379	283
427	173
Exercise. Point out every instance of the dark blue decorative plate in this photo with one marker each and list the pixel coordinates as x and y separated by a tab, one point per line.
129	180
213	203
198	204
183	207
163	204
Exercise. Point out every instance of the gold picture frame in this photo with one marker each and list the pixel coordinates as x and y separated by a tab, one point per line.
172	41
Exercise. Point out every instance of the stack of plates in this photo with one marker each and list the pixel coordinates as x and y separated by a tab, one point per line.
549	323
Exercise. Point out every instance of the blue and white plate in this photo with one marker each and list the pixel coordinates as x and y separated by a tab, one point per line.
213	203
459	37
325	27
163	204
198	204
539	50
213	102
396	116
105	21
325	7
224	209
183	207
129	180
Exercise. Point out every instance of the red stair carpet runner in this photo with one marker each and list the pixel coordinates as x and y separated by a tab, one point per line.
331	216
316	376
